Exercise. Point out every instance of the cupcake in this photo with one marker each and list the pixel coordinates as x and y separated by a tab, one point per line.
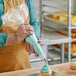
45	71
73	65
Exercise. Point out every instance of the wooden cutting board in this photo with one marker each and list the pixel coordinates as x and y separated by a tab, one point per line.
63	70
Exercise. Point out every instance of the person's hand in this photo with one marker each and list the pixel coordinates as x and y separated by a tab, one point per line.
23	31
30	49
20	35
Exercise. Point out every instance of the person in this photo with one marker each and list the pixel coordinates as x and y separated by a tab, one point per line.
13	49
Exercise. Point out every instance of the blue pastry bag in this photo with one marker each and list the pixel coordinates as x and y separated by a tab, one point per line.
37	48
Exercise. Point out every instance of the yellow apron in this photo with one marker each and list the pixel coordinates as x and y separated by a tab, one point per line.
13	57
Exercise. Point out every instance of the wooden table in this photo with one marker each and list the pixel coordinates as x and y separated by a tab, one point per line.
59	70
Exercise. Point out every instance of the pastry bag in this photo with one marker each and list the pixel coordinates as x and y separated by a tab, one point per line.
37	48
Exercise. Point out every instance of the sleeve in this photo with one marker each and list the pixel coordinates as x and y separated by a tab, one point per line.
33	18
3	36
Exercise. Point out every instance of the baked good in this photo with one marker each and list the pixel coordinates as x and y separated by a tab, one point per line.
46	71
60	18
73	65
52	16
73	19
46	74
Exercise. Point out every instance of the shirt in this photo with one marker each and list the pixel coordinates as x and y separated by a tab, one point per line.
33	21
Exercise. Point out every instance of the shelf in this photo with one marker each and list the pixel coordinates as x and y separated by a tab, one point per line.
55	1
51	19
50	13
46	27
36	60
73	27
50	23
66	53
59	23
54	7
53	30
51	38
54	56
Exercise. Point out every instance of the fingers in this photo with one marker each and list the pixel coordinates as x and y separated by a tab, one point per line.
23	31
29	28
28	32
27	47
30	49
35	54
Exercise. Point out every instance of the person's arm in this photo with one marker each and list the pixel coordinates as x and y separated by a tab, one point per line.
6	39
3	36
33	18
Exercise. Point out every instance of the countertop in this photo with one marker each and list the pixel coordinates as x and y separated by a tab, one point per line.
59	70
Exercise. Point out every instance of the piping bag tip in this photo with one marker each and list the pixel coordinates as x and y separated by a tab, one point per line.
45	60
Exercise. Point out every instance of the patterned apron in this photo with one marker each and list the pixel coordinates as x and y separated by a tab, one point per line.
13	57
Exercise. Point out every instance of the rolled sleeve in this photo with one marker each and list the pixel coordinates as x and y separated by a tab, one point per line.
33	18
0	21
3	37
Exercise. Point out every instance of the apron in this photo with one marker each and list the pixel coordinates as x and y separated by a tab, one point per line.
13	57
